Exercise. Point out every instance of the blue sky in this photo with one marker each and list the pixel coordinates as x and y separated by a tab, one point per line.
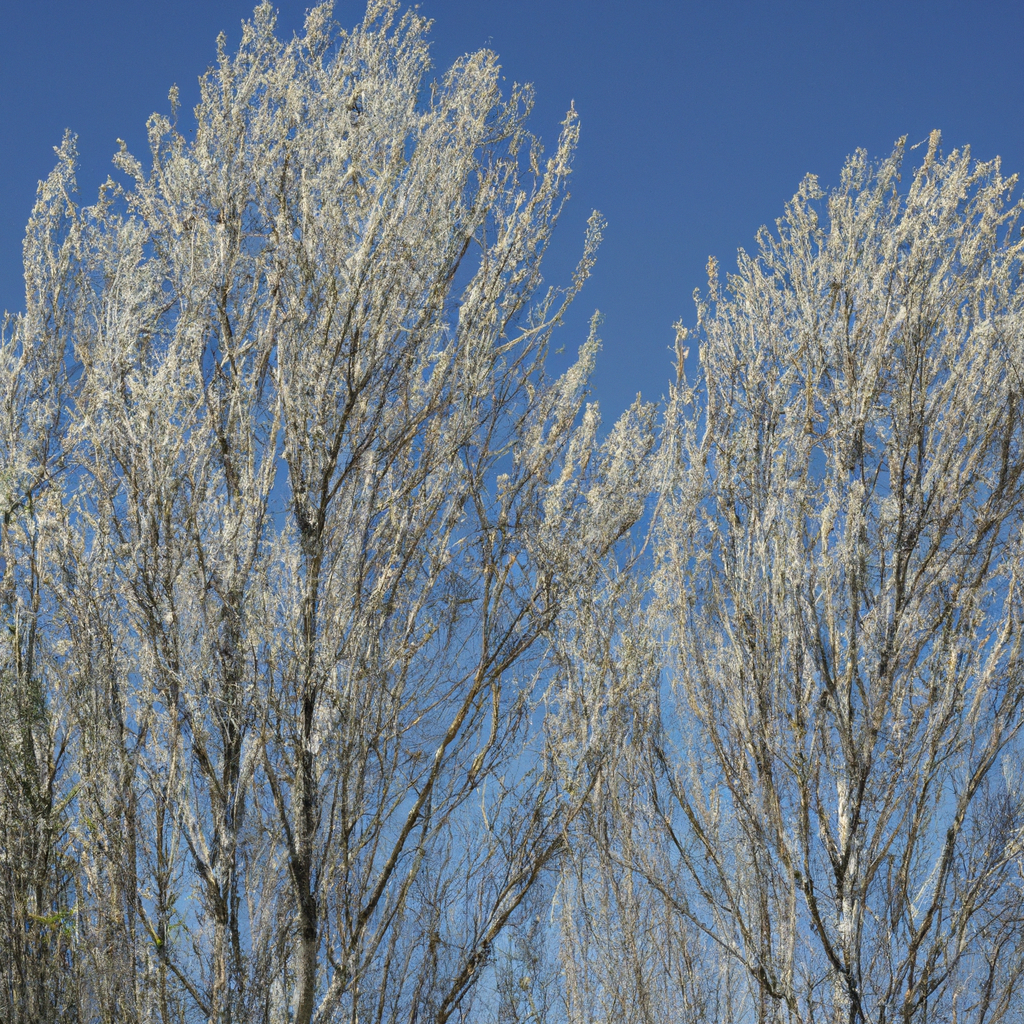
698	118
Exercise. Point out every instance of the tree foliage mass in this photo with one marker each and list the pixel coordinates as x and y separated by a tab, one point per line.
353	670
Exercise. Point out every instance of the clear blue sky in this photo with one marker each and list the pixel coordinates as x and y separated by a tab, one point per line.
698	118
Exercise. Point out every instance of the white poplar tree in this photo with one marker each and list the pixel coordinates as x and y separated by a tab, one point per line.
311	526
834	786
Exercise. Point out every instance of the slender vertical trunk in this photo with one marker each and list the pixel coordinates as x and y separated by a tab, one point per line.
227	943
306	905
307	956
306	796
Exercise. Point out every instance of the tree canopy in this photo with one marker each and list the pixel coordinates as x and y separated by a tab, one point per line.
354	670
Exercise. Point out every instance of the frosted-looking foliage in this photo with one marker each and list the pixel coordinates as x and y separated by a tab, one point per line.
333	686
297	532
824	805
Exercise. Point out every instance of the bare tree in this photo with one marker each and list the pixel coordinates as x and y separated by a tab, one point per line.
840	590
319	525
